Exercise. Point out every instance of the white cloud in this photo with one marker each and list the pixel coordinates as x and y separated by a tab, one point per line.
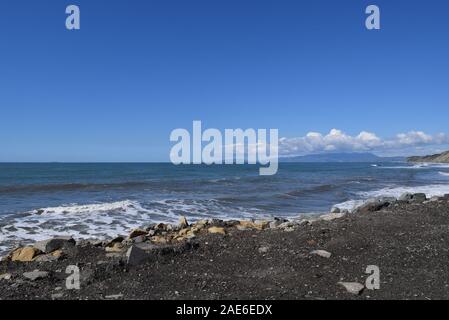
338	141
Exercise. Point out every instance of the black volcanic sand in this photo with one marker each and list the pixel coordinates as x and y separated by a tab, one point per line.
409	243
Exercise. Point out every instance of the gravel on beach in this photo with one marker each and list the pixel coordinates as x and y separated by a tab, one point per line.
406	241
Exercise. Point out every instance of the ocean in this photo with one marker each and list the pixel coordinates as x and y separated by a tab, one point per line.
103	200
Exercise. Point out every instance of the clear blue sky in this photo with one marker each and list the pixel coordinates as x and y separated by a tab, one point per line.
137	69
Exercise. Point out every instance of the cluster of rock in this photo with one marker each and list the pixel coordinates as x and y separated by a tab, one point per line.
140	243
379	203
42	251
162	233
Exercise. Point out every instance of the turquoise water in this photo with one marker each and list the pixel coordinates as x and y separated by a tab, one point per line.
101	200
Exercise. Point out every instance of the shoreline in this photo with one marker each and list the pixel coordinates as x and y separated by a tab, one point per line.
337	211
306	259
103	209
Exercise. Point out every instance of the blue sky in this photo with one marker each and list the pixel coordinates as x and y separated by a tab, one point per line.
114	90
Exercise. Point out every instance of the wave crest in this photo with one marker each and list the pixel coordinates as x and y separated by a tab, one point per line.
429	190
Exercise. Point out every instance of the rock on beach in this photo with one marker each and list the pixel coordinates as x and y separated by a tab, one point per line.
50	245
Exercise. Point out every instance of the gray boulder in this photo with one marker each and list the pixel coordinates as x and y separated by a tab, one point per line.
35	275
413	197
406	197
135	256
352	287
419	197
376	204
5	276
51	245
56	296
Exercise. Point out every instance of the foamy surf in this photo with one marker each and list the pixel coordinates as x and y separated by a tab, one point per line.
107	220
102	201
79	221
419	166
429	190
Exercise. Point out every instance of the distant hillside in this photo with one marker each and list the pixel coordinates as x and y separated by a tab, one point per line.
342	157
436	158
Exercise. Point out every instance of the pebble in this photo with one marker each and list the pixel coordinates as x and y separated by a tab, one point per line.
218	230
322	253
5	276
352	287
332	216
114	296
264	249
57	296
35	275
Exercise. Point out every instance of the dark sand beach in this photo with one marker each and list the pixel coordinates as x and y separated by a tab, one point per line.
407	240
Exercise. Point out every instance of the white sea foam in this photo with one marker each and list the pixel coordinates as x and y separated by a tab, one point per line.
429	190
80	221
419	166
446	174
106	220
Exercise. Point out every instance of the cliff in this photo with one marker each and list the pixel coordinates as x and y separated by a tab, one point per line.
436	158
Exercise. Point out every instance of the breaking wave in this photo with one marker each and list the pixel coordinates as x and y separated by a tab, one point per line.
106	220
419	166
429	190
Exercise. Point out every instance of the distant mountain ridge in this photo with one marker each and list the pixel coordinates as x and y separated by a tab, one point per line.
435	158
342	157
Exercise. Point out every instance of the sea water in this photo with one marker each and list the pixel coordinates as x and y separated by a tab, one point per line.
103	200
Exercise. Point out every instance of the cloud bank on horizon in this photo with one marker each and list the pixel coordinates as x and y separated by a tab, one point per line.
412	142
